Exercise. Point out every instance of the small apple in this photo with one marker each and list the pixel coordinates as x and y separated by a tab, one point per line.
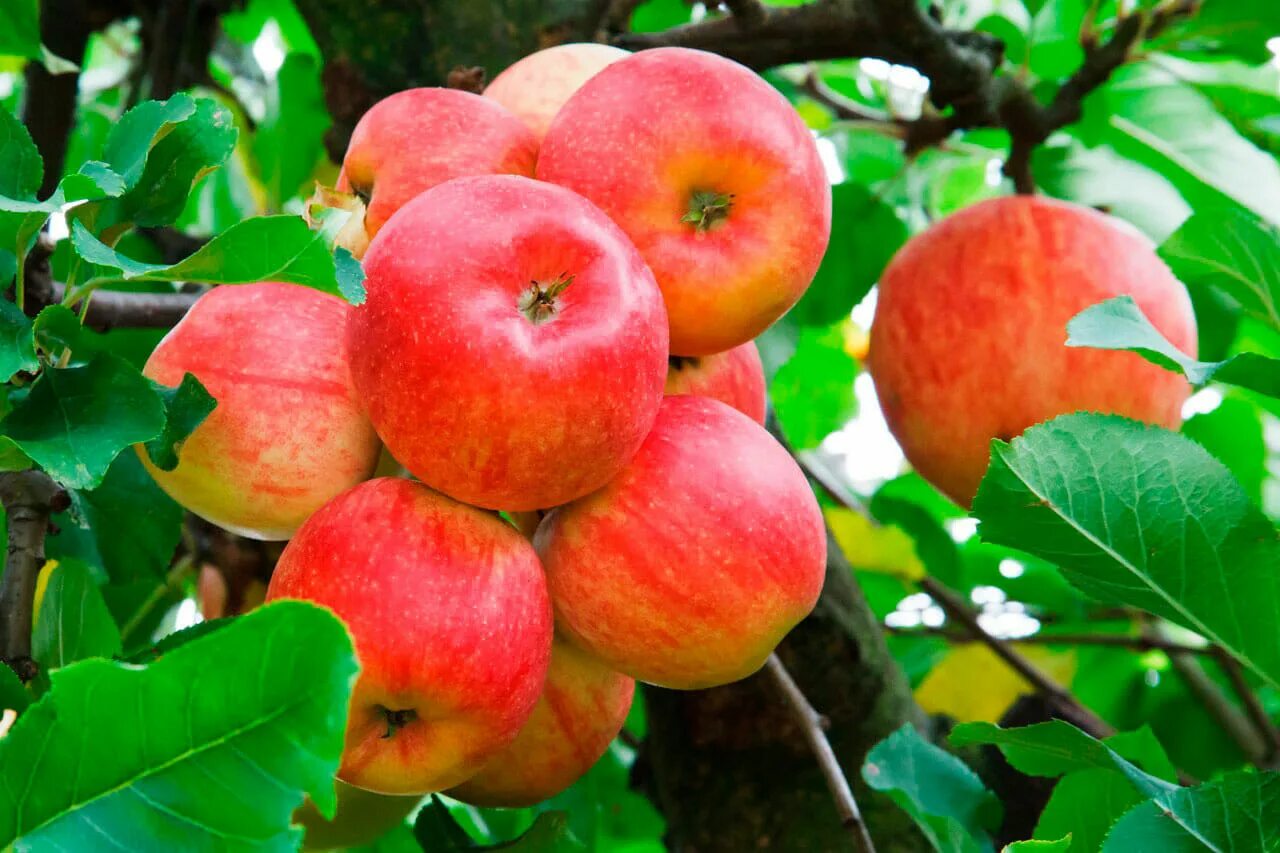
410	141
288	432
712	175
689	567
582	709
447	608
362	817
735	378
969	338
513	346
536	87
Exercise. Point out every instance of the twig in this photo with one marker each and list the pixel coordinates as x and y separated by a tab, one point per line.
1270	757
1071	708
1050	639
176	575
29	498
813	727
1234	722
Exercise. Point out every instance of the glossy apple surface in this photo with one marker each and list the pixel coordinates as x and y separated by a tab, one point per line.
537	86
288	432
714	177
694	562
735	378
447	607
513	347
969	338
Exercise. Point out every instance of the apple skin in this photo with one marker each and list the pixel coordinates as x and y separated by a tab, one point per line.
362	817
690	566
536	87
413	140
968	341
447	607
735	378
470	394
288	432
583	707
644	135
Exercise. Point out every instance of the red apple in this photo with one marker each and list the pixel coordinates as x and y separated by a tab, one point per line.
362	817
968	341
412	140
690	566
447	607
536	87
713	176
582	709
513	347
735	377
288	432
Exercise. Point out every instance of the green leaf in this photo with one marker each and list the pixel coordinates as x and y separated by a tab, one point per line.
1119	324
438	832
21	168
1059	845
20	30
131	139
1233	432
131	523
944	797
202	756
13	695
812	392
264	248
290	138
1240	29
1149	116
1141	516
76	421
1086	804
1055	38
185	407
865	232
1231	250
1238	812
74	621
17	342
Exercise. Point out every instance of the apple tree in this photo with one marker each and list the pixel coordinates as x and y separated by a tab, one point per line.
1069	641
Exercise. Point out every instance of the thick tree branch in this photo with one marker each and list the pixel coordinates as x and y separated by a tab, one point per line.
29	498
813	725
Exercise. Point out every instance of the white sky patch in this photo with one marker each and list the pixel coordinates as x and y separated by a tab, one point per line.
187	614
869	454
961	530
1011	568
830	159
269	49
1202	402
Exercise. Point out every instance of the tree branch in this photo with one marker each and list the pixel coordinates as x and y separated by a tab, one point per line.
813	725
29	498
1139	644
1270	735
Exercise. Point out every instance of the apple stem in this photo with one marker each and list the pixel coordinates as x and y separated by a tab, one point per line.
397	719
680	362
538	303
706	208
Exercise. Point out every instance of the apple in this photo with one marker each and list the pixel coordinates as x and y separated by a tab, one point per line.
582	709
362	817
690	566
410	141
712	175
448	611
536	87
288	432
513	347
735	377
968	343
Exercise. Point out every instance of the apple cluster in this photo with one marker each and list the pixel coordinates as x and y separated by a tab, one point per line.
564	279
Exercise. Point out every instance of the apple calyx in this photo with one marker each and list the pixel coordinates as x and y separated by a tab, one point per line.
680	362
538	303
706	208
397	719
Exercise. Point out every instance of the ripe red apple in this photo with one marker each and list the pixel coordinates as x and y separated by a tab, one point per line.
694	562
968	341
735	377
513	347
410	141
447	607
361	818
582	709
288	432
712	175
536	87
